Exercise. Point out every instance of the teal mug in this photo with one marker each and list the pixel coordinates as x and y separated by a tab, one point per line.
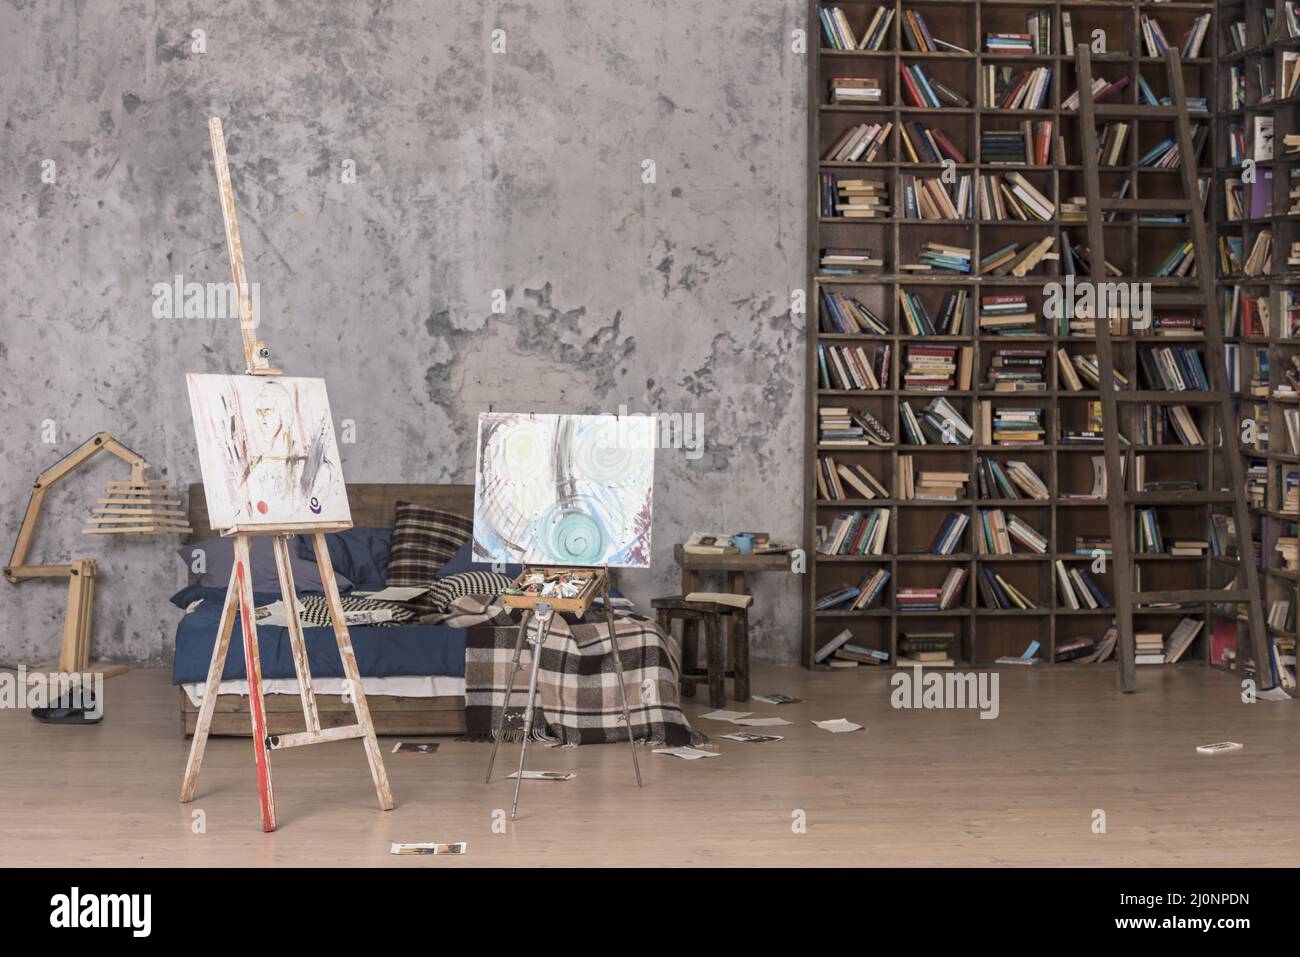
744	542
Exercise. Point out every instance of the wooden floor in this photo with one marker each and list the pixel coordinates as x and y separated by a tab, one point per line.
915	788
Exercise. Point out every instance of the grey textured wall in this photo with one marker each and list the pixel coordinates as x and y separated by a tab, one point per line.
519	170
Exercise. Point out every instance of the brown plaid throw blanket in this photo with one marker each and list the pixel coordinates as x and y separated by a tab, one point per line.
577	683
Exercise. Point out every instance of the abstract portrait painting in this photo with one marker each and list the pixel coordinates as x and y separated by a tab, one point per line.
564	489
267	451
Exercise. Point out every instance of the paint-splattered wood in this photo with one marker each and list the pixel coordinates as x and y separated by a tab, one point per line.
297	643
350	670
204	724
253	667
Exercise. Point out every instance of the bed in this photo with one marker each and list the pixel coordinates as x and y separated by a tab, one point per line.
413	673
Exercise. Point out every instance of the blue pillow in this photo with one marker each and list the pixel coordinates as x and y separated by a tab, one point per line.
219	556
463	561
361	554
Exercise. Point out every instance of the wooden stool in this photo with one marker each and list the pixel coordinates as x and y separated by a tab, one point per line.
692	614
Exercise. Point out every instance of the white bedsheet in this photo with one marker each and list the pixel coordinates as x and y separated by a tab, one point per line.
398	686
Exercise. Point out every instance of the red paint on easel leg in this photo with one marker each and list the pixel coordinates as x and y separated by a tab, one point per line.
251	670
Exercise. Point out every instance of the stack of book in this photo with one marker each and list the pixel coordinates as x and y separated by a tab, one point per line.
938	423
942	256
839	35
1089	545
1006	314
1077	589
1005	147
1288	552
842	262
856	91
851	428
928	649
860	143
996	592
1150	648
846	315
1011	425
998	533
1017	369
837	481
1021	43
937	368
854	198
857	533
1014	260
929	485
1174	369
849	368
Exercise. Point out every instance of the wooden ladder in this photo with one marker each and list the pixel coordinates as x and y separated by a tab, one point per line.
1119	500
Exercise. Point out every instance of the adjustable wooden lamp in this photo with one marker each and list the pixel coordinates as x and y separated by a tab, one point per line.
139	506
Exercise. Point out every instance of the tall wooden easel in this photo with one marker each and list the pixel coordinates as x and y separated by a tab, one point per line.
239	593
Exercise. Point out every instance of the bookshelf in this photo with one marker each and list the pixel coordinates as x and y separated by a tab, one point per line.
1255	58
1066	468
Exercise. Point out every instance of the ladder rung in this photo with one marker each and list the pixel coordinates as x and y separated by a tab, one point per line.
1152	397
1147	205
1174	498
1137	112
298	739
1193	595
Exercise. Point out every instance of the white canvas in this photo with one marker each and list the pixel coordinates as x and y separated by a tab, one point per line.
564	489
267	451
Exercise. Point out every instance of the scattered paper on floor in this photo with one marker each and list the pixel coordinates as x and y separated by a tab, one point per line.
838	725
726	715
760	722
777	698
459	848
545	775
690	754
750	737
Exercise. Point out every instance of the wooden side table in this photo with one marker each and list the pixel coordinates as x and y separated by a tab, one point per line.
734	568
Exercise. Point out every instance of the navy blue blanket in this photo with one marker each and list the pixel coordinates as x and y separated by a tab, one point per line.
401	650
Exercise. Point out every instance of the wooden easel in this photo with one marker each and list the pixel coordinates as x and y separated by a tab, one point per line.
544	608
239	592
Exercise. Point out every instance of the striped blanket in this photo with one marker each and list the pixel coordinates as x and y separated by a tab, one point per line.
577	683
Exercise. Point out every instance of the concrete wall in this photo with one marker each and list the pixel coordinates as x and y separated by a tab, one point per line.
475	170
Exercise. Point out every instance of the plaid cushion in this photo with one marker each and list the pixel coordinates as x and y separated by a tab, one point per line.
446	590
424	539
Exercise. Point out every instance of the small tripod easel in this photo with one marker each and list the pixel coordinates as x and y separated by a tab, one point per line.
239	593
545	609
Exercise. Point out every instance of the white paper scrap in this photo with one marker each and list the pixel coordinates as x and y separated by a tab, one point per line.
760	722
726	715
690	754
838	725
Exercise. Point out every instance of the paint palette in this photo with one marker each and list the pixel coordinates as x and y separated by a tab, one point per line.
564	589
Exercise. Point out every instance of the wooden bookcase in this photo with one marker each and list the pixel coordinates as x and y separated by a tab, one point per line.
1263	351
1137	248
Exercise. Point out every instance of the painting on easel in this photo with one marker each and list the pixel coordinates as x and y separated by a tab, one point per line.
564	489
267	451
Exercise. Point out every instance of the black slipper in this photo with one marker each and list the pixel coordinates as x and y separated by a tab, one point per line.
69	709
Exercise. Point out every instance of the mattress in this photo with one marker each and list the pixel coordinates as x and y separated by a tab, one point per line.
395	686
381	652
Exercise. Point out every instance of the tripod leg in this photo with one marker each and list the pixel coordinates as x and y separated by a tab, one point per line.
542	632
510	689
622	688
209	703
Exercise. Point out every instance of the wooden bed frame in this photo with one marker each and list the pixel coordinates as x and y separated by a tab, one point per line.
373	506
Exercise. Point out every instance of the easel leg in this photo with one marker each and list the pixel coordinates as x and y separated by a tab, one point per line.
209	703
350	669
542	632
253	667
298	644
622	687
510	688
70	649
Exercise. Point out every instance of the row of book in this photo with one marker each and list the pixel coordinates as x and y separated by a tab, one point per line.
846	315
857	533
998	534
926	91
850	428
838	481
938	423
1162	424
1003	88
856	597
997	592
853	198
1174	369
839	34
851	368
1153	36
917	320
